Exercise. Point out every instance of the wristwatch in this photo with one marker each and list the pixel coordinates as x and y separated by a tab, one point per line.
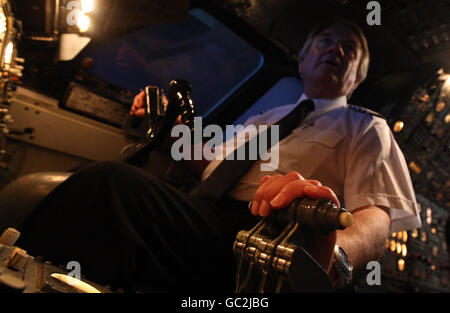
343	268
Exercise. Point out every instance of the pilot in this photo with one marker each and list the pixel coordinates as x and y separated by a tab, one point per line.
129	229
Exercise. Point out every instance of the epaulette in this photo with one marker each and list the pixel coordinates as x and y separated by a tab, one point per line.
365	110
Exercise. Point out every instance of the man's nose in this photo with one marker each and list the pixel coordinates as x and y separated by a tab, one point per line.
337	49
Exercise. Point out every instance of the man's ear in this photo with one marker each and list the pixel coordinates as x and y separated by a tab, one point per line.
356	83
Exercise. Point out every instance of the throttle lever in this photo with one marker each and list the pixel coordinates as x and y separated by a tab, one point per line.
281	258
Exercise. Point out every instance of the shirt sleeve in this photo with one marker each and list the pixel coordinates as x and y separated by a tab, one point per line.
377	174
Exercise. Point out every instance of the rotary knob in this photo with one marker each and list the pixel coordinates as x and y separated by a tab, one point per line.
9	237
11	284
7	241
19	260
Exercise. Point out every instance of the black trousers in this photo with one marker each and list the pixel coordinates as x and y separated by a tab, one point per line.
132	231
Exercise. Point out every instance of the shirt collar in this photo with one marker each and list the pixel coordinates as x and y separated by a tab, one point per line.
322	106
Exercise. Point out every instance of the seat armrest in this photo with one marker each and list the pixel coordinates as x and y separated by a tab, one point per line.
19	197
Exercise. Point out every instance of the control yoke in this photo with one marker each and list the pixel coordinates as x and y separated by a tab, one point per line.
160	117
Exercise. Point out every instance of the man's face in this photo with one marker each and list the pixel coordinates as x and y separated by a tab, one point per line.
329	68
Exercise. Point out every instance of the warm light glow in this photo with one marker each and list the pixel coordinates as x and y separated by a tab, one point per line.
433	267
430	118
399	235
401	264
423	236
440	106
433	230
446	85
398	126
447	119
394	235
434	250
76	283
425	98
87	6
414	233
405	236
9	53
83	22
393	246
2	24
429	216
404	250
415	167
399	248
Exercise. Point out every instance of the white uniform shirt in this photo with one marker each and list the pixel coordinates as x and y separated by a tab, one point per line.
352	152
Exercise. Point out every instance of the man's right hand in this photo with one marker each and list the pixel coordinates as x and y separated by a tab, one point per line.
138	107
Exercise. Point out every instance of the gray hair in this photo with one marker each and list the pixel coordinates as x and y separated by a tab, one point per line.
363	67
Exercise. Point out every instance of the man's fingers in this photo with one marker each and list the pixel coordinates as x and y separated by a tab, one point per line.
318	192
264	179
269	189
258	198
137	108
165	101
139	100
298	189
140	112
315	182
288	194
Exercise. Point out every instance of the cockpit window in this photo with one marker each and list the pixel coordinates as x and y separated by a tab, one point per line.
200	50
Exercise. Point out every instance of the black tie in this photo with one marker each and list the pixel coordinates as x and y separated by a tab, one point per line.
228	172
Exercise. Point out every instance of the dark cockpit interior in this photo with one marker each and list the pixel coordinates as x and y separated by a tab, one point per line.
71	71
